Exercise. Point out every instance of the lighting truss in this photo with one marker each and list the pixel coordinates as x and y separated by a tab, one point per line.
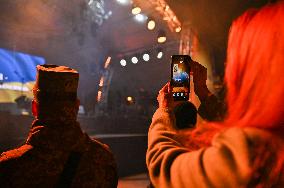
162	7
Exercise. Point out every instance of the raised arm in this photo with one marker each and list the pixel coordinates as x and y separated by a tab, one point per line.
171	164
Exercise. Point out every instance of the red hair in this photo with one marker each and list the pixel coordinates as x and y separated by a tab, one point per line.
255	69
254	76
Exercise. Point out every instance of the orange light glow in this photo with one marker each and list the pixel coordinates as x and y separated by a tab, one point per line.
99	98
136	10
107	63
129	99
162	39
151	25
101	82
178	29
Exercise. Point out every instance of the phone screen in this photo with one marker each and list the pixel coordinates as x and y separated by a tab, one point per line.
180	79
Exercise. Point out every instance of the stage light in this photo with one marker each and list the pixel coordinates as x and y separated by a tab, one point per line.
140	17
123	62
162	36
178	29
134	60
160	53
151	24
146	57
162	39
129	99
136	10
123	2
25	113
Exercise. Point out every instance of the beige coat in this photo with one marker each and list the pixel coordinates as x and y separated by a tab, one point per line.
237	157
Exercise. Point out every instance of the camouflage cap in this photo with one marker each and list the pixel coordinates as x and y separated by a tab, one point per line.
56	83
55	91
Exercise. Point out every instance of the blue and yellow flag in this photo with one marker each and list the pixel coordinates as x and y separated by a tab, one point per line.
17	74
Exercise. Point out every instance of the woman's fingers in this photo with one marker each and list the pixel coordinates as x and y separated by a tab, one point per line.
165	88
164	97
169	87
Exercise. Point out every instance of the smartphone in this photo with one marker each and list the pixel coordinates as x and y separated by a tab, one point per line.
180	77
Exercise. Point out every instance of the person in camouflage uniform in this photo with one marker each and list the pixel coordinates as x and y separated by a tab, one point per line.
57	153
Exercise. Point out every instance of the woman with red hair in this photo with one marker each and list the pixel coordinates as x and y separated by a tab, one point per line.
246	150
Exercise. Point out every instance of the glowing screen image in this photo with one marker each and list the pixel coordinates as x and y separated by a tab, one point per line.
180	79
17	74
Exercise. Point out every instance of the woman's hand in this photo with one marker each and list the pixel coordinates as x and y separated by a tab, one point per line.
165	97
199	80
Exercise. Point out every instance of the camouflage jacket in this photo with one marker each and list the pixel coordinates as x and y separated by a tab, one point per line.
40	162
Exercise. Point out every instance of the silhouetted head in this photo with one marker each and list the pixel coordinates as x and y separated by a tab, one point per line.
186	115
55	93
